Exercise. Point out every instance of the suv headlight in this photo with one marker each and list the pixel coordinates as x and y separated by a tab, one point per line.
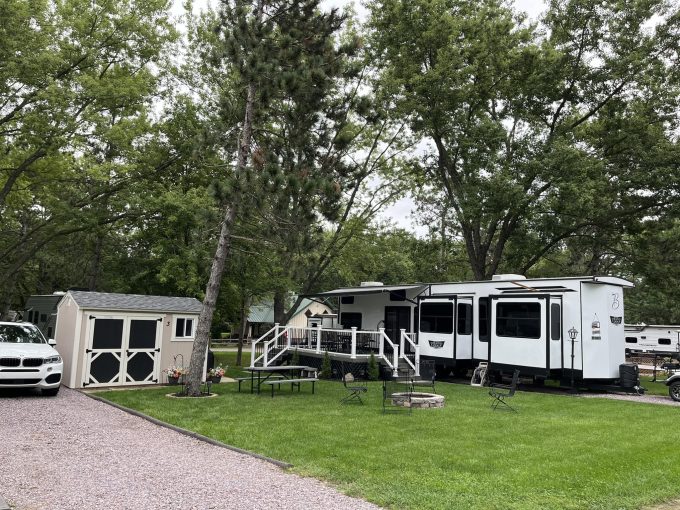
52	359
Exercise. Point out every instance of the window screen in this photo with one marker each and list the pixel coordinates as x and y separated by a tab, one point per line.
555	322
483	319
664	341
631	339
436	318
464	319
518	320
347	300
350	320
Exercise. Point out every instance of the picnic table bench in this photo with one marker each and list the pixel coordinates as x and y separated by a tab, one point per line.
293	383
250	380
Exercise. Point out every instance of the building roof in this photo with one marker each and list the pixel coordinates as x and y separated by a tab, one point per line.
134	302
264	312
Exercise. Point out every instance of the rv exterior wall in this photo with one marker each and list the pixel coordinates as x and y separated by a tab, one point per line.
601	336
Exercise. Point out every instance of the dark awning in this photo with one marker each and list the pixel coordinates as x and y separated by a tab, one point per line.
377	289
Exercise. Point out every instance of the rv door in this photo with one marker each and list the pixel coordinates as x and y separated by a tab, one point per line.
436	329
519	333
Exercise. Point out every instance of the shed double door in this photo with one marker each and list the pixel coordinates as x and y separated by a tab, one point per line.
122	350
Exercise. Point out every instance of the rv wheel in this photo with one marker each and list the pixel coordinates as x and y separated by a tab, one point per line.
674	391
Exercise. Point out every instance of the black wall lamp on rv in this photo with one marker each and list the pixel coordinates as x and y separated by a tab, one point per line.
573	333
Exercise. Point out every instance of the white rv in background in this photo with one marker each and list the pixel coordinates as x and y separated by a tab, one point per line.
654	339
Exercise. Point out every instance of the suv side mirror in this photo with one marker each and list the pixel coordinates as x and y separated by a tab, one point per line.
52	342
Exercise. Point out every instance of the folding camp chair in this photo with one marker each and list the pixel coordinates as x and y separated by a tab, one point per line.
354	387
500	392
427	374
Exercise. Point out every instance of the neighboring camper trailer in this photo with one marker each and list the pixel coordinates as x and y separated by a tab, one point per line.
654	339
41	310
509	322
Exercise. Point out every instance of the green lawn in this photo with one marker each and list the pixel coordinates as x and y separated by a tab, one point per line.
557	452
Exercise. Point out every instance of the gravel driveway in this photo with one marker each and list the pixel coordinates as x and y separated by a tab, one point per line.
72	452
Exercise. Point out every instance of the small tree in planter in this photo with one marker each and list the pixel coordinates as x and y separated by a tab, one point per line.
326	370
295	359
373	370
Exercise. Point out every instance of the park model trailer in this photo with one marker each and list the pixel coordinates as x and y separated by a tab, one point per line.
509	322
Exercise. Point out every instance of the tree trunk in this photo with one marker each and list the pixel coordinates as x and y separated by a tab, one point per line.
243	328
212	290
96	261
280	306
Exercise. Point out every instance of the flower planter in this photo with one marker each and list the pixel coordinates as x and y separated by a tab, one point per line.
215	380
173	380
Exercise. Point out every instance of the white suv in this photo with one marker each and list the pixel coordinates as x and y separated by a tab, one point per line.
27	360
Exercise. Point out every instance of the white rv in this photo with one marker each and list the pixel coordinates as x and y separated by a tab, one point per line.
509	322
654	339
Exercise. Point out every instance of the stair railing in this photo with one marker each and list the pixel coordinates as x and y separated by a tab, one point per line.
405	339
394	364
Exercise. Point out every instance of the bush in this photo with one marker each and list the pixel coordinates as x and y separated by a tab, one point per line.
373	370
326	370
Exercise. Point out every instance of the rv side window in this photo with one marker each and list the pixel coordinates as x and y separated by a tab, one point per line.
350	320
436	318
30	316
398	295
664	341
631	339
555	321
518	320
464	319
483	319
347	300
43	317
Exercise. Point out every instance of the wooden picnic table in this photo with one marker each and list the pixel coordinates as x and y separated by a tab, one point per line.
288	372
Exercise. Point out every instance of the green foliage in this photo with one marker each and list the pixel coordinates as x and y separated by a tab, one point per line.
373	371
295	359
326	371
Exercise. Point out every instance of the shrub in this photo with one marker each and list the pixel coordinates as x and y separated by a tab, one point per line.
373	370
326	370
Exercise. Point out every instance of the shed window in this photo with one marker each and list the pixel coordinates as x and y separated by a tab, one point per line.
518	320
631	339
436	318
350	320
347	300
464	319
184	328
555	322
664	341
483	319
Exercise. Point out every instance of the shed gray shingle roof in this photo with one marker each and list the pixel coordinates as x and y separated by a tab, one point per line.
134	302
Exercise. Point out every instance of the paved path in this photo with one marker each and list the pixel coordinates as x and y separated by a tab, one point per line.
72	452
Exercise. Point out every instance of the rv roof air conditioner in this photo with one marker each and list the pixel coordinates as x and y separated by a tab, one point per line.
508	277
371	284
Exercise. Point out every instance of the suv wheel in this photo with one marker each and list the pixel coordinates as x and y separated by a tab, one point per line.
674	391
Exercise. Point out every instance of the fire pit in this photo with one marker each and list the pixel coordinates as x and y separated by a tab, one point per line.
418	400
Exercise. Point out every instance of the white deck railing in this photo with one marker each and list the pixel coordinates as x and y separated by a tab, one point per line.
410	339
351	342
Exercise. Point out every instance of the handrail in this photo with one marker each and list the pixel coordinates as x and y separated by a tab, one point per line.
267	346
253	359
404	337
395	351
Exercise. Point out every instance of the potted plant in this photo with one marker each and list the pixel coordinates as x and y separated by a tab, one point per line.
174	373
215	374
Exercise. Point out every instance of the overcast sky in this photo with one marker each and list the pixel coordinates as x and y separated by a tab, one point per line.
400	213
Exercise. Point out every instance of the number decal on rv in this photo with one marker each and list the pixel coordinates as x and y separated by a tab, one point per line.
615	301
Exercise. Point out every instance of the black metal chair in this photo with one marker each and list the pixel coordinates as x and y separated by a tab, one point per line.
427	375
501	392
354	386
